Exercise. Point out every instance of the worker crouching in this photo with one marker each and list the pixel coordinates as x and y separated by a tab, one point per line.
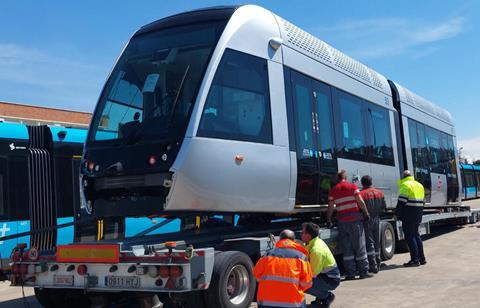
283	274
326	276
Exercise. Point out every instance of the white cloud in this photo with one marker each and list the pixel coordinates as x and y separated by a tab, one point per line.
470	148
40	77
442	31
382	37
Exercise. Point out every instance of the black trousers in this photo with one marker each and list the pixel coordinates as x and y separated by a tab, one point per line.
372	241
414	242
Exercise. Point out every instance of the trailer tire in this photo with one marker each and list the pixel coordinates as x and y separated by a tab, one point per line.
53	298
43	297
473	218
233	284
387	240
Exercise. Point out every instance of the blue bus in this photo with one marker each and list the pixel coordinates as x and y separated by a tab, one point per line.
470	180
39	188
38	176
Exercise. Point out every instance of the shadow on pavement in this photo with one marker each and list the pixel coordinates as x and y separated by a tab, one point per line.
29	301
437	230
390	267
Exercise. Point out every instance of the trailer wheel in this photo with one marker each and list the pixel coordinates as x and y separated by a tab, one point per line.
233	284
43	297
387	241
53	298
473	218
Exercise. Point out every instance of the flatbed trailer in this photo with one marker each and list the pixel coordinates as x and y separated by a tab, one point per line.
207	266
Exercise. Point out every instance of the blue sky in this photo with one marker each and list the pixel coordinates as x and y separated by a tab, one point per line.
58	53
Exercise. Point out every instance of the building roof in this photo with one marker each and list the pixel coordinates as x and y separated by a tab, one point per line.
14	112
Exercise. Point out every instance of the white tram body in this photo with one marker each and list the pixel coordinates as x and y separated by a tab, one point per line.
273	163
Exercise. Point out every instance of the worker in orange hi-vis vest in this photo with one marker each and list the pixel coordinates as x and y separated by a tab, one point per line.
283	274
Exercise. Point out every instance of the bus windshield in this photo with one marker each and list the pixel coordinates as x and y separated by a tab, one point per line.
152	89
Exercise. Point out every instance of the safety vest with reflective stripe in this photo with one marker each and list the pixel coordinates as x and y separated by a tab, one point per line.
411	200
343	195
321	259
283	275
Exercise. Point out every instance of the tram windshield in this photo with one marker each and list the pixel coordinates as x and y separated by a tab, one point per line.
153	87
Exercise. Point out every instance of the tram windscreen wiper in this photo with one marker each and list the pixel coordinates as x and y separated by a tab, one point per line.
136	136
179	92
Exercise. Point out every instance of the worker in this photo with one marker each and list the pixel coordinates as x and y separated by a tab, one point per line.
325	273
350	206
283	274
375	202
409	210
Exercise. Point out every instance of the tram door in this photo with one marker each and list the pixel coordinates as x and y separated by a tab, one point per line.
314	140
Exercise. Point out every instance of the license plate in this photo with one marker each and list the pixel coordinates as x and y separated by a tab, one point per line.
122	281
63	280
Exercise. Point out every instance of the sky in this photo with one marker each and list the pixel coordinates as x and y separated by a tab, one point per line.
59	53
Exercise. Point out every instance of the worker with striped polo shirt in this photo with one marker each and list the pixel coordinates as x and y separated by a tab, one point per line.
375	202
351	212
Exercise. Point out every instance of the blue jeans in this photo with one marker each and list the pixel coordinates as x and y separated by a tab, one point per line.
322	285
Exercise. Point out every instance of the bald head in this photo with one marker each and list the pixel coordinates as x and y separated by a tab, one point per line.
287	234
406	173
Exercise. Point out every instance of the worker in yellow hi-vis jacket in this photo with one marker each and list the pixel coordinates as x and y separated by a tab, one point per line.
409	210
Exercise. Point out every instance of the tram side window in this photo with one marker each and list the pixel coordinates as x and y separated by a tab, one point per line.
469	179
304	121
477	177
380	133
351	138
326	144
452	163
238	104
433	139
2	197
412	130
444	157
477	174
419	152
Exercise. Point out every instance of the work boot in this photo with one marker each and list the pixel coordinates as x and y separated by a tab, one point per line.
373	270
350	277
411	263
365	275
329	300
325	303
423	262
